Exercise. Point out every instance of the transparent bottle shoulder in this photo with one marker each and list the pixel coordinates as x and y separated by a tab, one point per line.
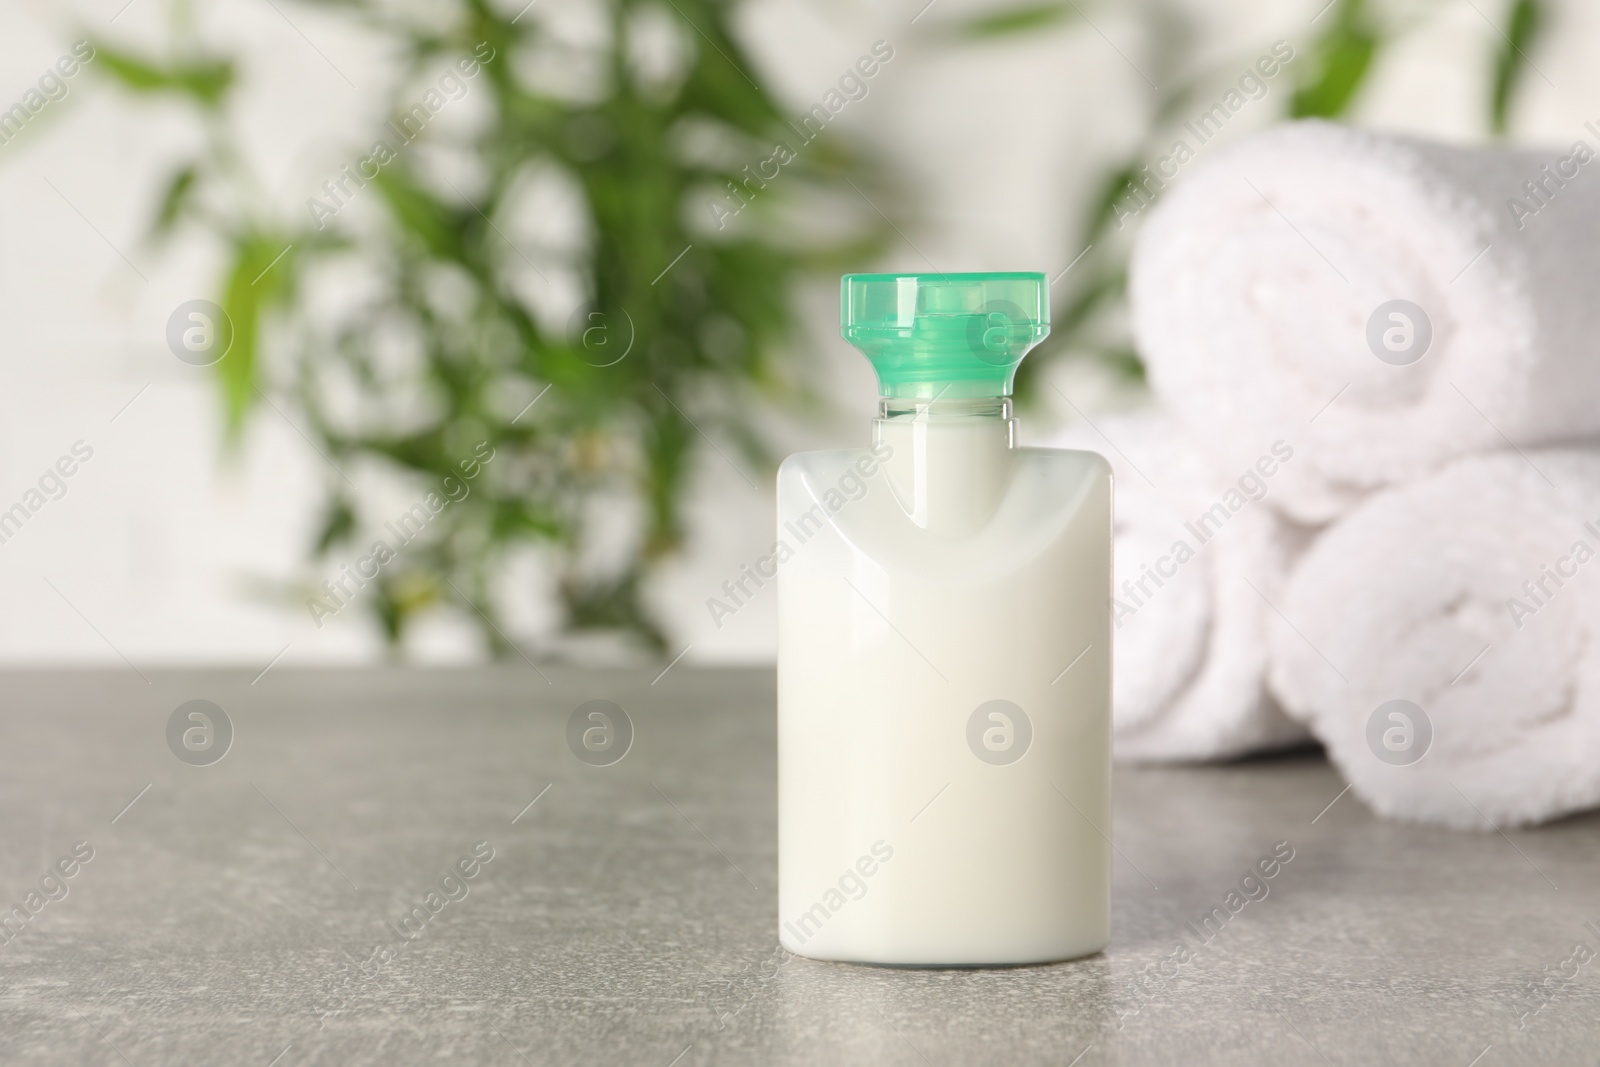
851	492
836	462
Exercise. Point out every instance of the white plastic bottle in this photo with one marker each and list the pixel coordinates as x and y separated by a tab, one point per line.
944	664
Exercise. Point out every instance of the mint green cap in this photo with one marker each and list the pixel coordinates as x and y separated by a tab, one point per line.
951	335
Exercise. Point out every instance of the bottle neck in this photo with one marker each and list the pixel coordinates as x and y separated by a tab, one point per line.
951	458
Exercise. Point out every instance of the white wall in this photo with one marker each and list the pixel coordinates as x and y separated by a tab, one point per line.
158	550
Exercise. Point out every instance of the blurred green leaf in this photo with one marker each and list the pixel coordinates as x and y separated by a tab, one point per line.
1022	19
1340	57
206	81
1511	61
173	201
421	215
338	523
1126	363
237	369
255	280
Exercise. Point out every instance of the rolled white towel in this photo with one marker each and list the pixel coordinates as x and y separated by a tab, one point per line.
1468	595
1189	666
1260	288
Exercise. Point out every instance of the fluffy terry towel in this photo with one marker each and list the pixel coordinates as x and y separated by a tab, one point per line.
1189	666
1262	290
1472	595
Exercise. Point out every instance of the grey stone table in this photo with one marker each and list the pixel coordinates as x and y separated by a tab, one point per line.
272	907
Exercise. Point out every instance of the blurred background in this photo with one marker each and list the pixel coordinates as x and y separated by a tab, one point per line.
564	274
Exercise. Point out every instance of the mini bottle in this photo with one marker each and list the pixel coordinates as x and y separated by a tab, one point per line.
944	653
